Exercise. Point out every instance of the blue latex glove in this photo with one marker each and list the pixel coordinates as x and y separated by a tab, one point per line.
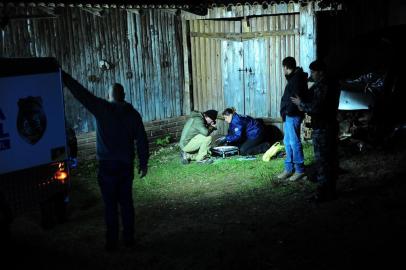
73	163
221	140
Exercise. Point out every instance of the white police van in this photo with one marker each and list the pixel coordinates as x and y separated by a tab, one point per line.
34	169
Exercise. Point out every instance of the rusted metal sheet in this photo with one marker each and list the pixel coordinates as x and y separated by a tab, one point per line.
142	49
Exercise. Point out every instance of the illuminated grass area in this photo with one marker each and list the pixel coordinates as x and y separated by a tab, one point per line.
228	215
194	187
168	179
194	205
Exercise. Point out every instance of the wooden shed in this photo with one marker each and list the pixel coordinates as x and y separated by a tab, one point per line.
170	58
237	52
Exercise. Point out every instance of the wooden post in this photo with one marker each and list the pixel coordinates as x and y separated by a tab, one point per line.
307	36
307	45
186	88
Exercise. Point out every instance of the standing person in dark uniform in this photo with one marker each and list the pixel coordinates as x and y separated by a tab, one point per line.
119	125
322	107
292	118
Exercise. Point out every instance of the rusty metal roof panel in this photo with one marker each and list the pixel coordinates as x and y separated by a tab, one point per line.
142	3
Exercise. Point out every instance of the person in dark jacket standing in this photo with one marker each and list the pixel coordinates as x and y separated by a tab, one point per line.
119	125
292	118
322	107
243	131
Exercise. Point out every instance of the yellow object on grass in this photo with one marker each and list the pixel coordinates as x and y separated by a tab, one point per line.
271	152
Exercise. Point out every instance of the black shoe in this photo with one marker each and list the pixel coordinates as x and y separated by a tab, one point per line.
183	159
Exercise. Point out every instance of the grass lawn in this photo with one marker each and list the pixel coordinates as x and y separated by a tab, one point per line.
173	203
169	180
231	214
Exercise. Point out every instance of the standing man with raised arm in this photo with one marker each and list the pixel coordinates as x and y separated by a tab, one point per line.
119	125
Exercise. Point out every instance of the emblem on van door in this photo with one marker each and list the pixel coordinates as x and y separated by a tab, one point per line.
31	119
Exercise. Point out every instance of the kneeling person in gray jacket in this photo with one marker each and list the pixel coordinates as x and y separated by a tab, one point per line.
195	139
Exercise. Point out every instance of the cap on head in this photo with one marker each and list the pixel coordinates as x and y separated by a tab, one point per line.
212	114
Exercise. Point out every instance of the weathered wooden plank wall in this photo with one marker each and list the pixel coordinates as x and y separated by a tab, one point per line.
144	50
249	43
307	36
207	63
157	58
219	92
245	73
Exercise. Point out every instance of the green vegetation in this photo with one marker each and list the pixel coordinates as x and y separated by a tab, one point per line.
165	141
173	199
168	179
231	214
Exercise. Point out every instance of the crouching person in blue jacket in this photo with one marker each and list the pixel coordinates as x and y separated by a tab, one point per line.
244	132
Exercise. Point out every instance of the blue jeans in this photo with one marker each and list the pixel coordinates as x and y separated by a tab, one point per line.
115	180
293	146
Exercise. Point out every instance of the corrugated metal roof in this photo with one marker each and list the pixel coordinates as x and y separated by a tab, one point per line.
200	9
147	3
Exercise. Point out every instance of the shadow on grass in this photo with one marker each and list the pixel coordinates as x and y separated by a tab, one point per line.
233	215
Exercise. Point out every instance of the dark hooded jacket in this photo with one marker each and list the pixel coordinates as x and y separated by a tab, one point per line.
322	104
297	85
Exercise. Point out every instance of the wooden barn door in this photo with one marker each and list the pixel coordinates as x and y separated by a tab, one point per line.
256	81
239	63
245	79
232	63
